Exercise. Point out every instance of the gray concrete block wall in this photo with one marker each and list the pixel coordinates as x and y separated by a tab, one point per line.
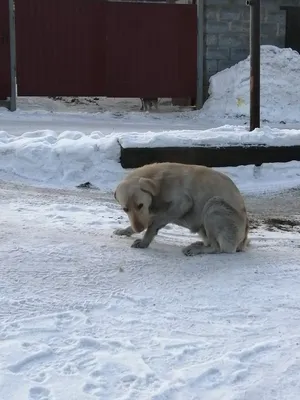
227	31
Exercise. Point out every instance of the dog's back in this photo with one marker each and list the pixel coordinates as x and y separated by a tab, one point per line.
189	177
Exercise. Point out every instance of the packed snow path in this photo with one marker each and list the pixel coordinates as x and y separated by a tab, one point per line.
84	316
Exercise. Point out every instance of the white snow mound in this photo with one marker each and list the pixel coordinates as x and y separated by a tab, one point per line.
68	157
229	89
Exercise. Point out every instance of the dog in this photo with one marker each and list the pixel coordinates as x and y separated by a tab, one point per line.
201	199
147	103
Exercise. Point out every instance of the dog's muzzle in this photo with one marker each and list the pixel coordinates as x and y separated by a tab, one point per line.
137	227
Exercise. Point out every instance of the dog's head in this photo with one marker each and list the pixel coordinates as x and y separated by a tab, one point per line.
135	197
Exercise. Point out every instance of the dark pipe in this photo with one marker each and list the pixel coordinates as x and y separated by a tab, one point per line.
254	63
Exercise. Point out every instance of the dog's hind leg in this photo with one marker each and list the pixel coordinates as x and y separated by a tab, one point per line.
225	229
203	236
124	232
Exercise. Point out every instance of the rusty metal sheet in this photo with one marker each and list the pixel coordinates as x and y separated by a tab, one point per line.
151	50
60	47
114	49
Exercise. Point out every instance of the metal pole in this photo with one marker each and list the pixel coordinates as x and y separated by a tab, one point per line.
200	53
254	63
12	48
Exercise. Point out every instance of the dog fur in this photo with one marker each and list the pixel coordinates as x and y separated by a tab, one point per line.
198	198
147	103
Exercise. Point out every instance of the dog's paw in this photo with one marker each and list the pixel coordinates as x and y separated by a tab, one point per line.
139	244
193	249
188	252
122	232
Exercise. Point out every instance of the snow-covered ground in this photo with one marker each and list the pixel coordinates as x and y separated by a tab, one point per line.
83	316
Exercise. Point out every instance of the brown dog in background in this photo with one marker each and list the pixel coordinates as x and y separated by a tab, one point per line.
198	198
147	103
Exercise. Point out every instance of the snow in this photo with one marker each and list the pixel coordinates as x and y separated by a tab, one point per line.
68	158
280	96
84	316
226	135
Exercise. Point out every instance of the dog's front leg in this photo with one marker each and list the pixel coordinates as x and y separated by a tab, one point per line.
149	235
172	212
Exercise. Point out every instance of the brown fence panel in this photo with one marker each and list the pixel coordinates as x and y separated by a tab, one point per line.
151	50
4	51
60	47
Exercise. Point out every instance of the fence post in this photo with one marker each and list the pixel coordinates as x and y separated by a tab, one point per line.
254	63
12	51
200	53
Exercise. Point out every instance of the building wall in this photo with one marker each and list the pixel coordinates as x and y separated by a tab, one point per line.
227	31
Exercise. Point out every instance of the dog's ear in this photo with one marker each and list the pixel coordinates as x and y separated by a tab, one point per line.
149	186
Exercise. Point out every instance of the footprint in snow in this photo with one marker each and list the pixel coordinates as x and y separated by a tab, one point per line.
39	393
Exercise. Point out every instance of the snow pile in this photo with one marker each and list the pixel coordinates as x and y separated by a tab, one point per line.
226	135
70	158
280	92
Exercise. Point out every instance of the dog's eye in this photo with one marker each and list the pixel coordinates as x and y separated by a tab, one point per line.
140	206
125	209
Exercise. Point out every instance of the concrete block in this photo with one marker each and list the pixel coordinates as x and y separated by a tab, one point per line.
210	68
278	41
216	27
237	55
263	14
223	64
273	16
272	5
212	13
217	53
246	14
211	39
233	40
285	3
230	13
269	28
281	28
219	3
239	26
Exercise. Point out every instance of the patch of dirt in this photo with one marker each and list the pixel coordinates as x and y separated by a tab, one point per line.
274	224
275	211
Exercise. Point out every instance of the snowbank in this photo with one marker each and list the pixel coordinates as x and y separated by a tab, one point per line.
70	157
280	91
226	135
66	158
